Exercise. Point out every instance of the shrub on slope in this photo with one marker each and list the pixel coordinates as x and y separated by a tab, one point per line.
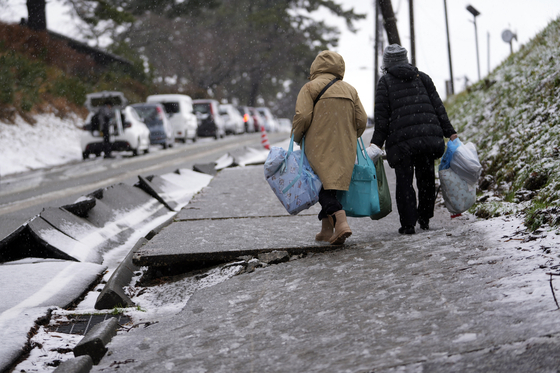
513	116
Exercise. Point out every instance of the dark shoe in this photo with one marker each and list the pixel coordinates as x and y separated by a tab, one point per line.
424	224
407	230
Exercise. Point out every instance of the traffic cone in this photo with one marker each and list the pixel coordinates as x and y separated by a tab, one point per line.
264	139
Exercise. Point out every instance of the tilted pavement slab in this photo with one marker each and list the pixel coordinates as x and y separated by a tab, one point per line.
238	214
451	299
237	193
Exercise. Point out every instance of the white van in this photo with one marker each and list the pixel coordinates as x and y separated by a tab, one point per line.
180	112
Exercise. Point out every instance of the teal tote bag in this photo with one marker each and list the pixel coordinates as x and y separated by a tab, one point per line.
385	203
362	197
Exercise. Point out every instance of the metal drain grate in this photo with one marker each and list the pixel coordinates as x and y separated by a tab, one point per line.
81	324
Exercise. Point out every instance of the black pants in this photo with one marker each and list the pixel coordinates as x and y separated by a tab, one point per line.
106	140
329	203
409	210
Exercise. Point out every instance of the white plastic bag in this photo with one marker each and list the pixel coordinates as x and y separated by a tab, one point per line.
458	195
465	163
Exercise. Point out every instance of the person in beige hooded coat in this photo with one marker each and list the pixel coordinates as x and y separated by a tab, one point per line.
331	129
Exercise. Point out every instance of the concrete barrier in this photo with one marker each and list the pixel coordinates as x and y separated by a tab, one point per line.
113	294
80	364
95	341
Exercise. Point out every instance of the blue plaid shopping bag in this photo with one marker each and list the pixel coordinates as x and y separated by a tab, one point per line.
291	178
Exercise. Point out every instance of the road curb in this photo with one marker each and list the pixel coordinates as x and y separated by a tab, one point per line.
80	364
113	294
95	341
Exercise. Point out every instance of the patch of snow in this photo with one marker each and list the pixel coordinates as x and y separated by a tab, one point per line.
51	141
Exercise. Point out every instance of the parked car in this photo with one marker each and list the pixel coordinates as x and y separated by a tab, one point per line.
128	130
284	125
233	121
210	122
179	109
248	120
270	123
153	115
258	119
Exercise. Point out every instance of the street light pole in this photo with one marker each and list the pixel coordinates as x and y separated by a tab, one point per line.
475	13
412	37
376	49
451	85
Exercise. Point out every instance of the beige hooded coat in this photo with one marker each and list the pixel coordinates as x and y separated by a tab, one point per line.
332	129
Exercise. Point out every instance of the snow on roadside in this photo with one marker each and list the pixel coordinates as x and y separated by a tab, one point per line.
51	141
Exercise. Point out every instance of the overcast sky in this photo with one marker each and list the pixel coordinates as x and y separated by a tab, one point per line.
523	17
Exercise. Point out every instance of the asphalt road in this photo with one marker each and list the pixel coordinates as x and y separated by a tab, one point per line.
24	195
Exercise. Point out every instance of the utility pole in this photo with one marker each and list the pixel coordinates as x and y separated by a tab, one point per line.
390	21
451	85
488	42
475	13
376	49
412	38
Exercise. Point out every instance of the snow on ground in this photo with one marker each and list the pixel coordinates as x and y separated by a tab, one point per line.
23	147
51	141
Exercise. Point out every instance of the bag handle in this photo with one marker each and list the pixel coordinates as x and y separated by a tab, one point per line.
360	150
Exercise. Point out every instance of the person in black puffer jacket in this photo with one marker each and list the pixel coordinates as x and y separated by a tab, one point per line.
411	121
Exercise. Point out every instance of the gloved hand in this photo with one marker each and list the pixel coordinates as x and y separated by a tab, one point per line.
374	152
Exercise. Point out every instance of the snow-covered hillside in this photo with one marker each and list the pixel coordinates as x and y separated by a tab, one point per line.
513	117
49	142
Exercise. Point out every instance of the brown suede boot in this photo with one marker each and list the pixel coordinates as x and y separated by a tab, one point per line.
326	231
341	228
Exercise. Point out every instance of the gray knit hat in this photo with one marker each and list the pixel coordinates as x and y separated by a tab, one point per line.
394	55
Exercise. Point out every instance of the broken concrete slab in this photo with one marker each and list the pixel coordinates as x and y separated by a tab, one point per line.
39	281
118	199
95	341
155	186
30	287
230	195
52	243
206	168
187	242
73	226
190	182
274	257
225	161
113	294
81	207
80	364
18	244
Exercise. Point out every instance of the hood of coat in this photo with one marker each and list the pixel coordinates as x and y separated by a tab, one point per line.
327	62
403	72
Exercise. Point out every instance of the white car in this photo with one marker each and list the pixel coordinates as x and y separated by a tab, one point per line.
233	121
180	112
128	132
284	125
270	123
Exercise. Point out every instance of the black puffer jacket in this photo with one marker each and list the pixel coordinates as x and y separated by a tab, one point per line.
409	115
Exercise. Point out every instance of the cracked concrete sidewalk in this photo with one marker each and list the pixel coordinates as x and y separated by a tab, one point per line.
450	299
